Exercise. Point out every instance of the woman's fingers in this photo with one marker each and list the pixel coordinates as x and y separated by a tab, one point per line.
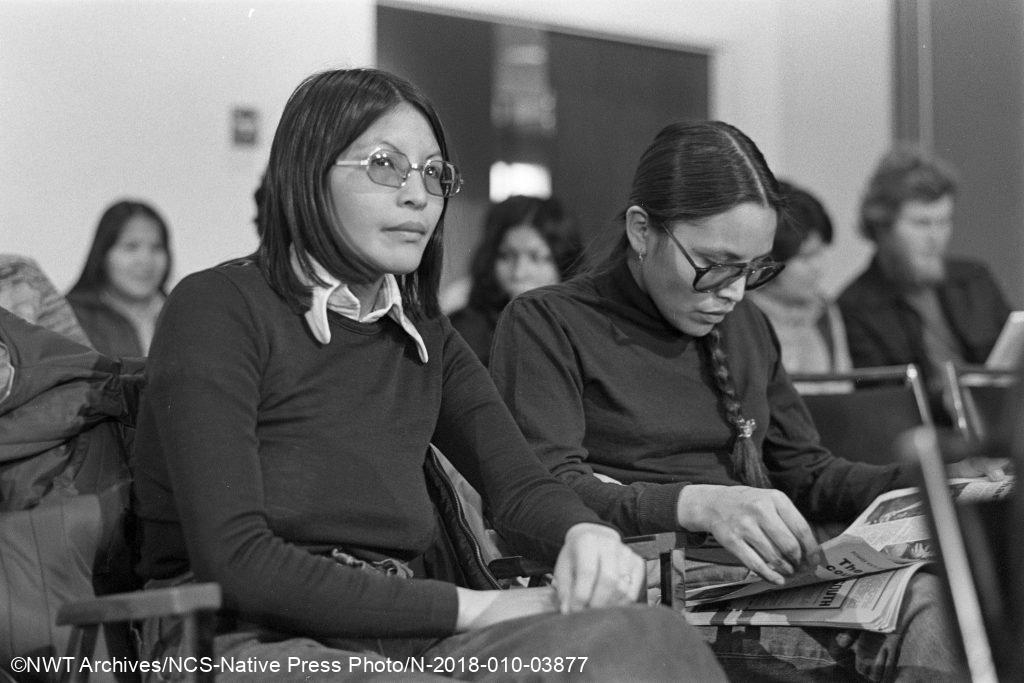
595	569
762	528
807	550
753	561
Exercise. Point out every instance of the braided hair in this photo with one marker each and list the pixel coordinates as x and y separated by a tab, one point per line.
745	459
690	172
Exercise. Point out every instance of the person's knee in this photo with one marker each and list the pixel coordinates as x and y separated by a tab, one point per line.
925	599
660	637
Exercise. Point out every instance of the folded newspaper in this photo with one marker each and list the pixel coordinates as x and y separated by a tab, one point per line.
861	580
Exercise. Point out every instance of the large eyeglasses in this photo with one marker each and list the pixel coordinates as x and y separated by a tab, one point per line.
717	276
391	169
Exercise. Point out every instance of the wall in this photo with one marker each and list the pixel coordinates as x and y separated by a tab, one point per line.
134	99
836	111
978	99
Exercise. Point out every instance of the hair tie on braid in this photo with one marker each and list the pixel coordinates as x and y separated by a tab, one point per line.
745	460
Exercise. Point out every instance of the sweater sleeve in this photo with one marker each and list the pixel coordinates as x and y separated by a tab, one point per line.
534	365
530	509
823	487
205	376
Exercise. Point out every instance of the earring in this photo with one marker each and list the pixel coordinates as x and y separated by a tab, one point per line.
640	257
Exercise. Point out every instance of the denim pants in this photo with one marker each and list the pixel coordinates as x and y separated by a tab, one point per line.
923	648
633	643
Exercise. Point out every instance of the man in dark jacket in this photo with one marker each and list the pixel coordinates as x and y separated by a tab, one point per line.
914	304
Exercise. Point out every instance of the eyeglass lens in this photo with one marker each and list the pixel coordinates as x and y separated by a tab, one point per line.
724	275
440	178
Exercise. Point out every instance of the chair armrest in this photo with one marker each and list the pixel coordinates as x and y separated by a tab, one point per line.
161	602
649	546
653	546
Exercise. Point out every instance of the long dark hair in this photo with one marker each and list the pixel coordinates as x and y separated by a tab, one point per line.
802	217
690	172
321	119
94	274
550	222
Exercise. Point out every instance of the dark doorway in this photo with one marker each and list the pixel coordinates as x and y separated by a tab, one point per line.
587	107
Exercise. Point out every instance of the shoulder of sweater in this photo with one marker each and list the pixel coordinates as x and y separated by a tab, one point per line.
236	275
570	292
961	268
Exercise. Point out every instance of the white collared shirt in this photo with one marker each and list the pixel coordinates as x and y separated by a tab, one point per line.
337	297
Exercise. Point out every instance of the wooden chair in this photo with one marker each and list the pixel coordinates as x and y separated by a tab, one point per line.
979	397
194	604
859	414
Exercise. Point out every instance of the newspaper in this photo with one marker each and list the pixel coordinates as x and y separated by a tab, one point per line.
861	580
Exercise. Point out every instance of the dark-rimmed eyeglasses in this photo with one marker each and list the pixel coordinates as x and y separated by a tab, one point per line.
757	272
391	169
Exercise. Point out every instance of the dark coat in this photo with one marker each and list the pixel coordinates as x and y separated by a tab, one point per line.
884	329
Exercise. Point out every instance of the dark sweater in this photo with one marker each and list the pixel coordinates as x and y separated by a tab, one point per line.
109	331
884	329
259	448
476	326
600	382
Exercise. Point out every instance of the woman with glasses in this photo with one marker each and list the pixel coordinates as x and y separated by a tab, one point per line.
656	392
282	448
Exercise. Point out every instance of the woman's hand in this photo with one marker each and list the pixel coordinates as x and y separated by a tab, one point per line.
761	527
994	469
596	569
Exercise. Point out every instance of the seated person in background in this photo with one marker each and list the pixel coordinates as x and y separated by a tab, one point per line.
653	373
527	243
292	396
121	289
914	304
809	327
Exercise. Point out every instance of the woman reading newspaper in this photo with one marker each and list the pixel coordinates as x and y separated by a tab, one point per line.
656	392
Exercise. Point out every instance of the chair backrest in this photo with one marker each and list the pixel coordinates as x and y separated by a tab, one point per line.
859	414
979	397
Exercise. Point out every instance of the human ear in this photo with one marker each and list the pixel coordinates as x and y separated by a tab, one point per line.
637	229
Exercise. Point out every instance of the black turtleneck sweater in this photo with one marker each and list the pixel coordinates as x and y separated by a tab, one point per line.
600	382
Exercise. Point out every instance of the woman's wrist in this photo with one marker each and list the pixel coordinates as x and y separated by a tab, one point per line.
472	604
589	527
478	609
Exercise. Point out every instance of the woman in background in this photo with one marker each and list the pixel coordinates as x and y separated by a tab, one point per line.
809	327
121	289
528	243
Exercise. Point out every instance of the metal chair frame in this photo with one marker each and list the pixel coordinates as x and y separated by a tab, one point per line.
829	388
961	381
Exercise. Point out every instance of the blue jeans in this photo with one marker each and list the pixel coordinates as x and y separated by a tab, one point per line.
922	648
624	643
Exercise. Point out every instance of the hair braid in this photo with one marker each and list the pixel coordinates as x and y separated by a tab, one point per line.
746	462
